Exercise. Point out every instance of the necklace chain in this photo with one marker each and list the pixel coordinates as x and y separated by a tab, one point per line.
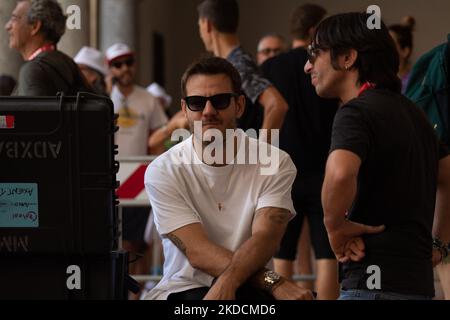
220	204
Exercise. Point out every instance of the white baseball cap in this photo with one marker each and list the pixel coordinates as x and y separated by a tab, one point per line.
118	50
157	91
92	58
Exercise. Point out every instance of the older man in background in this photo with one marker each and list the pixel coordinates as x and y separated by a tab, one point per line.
35	28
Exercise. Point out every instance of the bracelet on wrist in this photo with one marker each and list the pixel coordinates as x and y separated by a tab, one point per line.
440	245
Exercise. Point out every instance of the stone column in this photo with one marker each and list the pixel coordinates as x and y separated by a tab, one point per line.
117	23
78	26
10	59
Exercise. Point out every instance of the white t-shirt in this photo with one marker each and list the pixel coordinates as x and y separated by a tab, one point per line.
179	196
139	113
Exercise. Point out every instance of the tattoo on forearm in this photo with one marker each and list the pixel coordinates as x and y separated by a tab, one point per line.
177	242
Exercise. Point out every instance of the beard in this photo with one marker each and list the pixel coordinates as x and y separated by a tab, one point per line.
126	79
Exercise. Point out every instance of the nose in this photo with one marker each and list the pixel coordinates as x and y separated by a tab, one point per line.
124	66
209	109
308	67
8	25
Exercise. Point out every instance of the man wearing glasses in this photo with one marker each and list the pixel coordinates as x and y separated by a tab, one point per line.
269	46
34	30
221	220
140	113
386	192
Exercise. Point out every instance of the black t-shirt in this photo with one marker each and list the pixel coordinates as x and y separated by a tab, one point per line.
306	132
51	72
396	187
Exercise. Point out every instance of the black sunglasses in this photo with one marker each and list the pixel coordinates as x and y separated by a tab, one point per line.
118	64
313	52
219	101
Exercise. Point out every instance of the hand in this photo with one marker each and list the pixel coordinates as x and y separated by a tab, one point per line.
346	242
289	290
179	120
354	250
221	290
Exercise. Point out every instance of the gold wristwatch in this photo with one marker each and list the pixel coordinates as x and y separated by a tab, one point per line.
271	278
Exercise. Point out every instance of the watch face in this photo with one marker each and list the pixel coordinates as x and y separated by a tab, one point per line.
270	280
272	277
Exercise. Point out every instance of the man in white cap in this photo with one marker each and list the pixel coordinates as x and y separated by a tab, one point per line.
92	64
139	112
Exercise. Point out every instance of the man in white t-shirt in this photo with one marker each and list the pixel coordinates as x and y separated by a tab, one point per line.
140	113
221	216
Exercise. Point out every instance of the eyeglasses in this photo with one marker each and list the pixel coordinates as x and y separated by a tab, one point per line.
313	52
219	101
118	64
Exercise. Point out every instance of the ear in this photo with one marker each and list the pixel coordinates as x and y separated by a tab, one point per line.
183	107
209	25
36	27
350	58
240	106
405	53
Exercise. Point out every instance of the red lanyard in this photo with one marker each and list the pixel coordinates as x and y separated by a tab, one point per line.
47	47
366	86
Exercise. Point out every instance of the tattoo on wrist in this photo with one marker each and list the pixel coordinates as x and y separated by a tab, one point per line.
177	242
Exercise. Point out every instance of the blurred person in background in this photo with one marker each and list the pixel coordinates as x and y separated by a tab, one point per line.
35	28
92	64
270	45
218	26
403	37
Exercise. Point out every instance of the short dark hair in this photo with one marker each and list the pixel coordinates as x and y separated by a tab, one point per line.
51	15
224	14
212	66
378	60
304	18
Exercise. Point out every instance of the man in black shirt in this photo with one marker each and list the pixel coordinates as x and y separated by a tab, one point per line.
385	167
